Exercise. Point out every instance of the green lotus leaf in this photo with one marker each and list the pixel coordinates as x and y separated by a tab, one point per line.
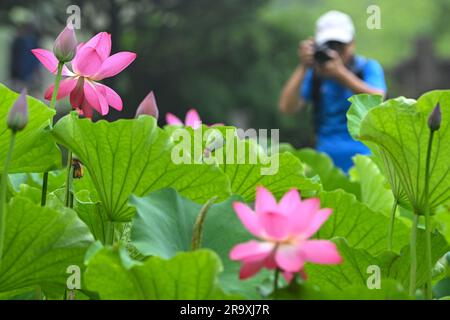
362	227
34	149
40	244
187	276
399	129
374	192
134	157
164	223
331	177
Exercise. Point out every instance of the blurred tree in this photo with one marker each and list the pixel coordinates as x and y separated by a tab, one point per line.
229	58
217	56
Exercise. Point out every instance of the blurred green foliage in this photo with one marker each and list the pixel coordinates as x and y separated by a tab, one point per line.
230	58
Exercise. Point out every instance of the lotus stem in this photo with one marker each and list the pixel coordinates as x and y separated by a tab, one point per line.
429	264
56	85
413	256
52	106
198	226
109	235
391	225
44	189
276	276
4	182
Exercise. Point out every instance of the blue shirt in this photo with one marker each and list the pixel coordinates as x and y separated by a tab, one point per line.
333	137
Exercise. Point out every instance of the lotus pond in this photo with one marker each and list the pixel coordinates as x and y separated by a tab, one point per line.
138	209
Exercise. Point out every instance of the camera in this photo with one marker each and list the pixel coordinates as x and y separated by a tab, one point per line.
321	52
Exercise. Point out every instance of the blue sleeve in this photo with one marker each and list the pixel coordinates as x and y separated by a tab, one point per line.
374	75
306	89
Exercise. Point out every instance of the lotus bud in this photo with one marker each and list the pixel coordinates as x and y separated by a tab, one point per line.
148	106
434	121
18	115
65	46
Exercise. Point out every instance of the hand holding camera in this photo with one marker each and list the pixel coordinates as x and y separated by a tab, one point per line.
333	67
306	52
324	58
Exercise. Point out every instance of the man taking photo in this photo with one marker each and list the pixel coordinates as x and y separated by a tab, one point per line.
328	74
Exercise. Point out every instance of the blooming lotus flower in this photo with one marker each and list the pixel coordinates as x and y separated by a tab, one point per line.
148	106
65	46
192	120
18	115
284	230
91	64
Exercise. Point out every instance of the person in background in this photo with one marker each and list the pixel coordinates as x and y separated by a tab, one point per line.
24	66
328	74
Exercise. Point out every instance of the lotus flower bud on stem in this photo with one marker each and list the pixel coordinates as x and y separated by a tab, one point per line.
434	121
65	46
18	115
148	106
16	121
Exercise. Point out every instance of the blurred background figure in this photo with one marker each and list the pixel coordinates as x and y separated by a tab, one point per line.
229	59
329	73
23	65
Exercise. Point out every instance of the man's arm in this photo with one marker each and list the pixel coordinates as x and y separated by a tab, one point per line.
335	68
351	81
290	99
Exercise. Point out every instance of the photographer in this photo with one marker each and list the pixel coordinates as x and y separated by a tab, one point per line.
329	73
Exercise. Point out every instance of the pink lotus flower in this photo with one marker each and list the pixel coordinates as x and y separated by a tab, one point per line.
192	120
285	229
92	63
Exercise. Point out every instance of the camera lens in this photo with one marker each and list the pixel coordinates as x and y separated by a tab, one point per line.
321	54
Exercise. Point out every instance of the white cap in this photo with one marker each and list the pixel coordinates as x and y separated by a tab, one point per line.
334	26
